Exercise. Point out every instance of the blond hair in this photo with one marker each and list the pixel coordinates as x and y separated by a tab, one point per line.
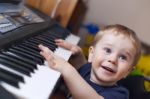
123	30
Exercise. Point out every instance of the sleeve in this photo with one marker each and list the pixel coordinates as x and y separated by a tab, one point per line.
85	69
115	96
118	94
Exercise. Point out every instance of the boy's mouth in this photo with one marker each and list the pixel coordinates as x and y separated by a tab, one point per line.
109	69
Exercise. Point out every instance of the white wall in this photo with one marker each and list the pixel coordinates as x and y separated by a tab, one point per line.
132	13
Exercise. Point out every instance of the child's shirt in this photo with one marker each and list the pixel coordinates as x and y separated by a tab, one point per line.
108	92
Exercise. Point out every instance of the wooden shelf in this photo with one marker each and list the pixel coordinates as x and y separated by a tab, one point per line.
64	10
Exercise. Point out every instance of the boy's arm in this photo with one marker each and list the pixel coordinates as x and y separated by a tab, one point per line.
77	59
78	87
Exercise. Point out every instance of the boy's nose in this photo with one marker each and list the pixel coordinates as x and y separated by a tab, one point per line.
113	59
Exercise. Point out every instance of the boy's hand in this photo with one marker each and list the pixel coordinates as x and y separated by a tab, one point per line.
78	58
55	62
73	48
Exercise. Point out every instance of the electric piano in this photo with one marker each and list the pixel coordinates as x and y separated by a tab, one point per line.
23	71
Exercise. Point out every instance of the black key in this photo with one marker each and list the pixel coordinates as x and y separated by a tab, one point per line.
41	42
17	77
37	41
31	45
8	79
47	41
18	62
47	38
38	61
29	49
28	52
33	64
15	67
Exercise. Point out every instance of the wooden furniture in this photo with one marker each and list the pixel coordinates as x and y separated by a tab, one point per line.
77	18
63	8
33	3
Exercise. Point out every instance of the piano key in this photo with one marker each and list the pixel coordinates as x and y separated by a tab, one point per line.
35	41
15	62
25	77
31	45
18	62
29	49
13	71
49	38
8	79
32	63
17	77
32	52
47	41
15	66
27	52
25	80
38	61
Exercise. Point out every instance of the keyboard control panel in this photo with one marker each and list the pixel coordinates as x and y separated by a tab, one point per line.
6	24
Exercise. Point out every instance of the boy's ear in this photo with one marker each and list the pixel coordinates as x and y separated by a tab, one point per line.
90	57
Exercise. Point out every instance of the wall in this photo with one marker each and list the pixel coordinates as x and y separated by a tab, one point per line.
132	13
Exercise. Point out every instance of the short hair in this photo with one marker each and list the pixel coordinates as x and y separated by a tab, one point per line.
123	30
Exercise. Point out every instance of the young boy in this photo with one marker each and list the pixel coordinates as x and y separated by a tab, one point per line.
112	56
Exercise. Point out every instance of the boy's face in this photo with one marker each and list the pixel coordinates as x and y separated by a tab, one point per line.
111	59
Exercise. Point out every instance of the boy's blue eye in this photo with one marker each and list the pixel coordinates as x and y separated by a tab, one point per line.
123	57
107	50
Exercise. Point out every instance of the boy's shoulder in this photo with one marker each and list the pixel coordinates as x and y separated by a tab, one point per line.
85	70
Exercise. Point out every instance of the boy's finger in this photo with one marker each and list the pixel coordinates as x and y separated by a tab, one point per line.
63	44
45	51
41	47
44	48
59	40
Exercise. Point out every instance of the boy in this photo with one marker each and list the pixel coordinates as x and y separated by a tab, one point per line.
113	54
